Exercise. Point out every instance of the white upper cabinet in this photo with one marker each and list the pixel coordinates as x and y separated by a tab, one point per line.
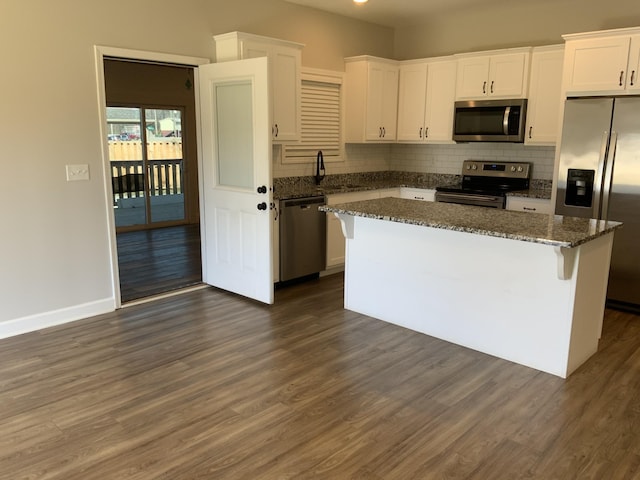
601	63
371	100
498	74
425	101
285	61
543	110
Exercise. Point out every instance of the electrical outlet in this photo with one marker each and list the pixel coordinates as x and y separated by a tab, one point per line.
77	172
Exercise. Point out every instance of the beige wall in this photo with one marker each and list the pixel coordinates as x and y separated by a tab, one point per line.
54	247
512	23
328	38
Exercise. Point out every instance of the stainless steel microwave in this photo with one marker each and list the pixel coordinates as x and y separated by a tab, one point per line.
490	121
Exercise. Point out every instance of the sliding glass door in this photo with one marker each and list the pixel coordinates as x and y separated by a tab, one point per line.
147	166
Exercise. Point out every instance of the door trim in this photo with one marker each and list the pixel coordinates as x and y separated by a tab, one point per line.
100	53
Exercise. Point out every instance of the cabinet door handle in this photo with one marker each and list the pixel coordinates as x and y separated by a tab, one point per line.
484	87
633	73
420	134
529	209
530	130
426	132
384	132
491	86
621	75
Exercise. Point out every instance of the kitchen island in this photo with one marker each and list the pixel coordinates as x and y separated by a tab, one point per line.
529	288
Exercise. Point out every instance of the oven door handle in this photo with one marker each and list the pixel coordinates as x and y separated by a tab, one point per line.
463	196
475	199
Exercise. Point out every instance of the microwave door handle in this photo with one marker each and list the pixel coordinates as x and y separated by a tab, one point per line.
505	120
608	176
599	178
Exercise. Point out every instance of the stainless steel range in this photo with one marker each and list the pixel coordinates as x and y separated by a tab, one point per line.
485	183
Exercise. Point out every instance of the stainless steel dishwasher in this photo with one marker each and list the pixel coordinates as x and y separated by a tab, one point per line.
303	237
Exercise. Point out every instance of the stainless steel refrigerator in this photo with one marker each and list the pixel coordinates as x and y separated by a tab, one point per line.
599	177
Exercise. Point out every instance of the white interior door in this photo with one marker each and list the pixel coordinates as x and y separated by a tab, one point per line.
236	168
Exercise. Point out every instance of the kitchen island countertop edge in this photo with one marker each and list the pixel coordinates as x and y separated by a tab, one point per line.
555	230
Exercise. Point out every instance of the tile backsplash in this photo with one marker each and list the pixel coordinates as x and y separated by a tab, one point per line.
439	159
448	158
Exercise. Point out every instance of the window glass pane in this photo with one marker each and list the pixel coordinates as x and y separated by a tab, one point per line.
127	172
163	128
234	123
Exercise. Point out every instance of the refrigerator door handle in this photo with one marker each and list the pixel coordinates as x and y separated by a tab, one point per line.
597	184
608	176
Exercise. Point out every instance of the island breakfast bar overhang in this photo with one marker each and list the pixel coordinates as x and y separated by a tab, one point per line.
528	288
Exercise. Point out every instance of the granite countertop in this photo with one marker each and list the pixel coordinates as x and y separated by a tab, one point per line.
305	190
553	230
533	192
304	187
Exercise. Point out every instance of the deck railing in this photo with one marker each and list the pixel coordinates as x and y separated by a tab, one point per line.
165	177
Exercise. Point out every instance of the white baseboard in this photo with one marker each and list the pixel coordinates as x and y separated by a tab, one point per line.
39	321
332	270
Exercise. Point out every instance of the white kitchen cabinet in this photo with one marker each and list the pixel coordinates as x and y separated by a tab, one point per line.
497	74
423	194
602	63
532	205
388	192
285	60
425	101
545	85
335	237
371	99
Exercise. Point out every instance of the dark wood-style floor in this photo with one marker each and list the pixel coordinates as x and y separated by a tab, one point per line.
207	385
159	260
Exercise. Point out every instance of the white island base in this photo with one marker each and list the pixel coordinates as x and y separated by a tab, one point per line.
535	304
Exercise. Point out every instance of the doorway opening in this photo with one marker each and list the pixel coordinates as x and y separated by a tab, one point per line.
151	135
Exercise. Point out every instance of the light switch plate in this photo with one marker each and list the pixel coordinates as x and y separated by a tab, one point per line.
77	172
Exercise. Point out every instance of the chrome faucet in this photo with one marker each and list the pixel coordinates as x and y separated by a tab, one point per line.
319	167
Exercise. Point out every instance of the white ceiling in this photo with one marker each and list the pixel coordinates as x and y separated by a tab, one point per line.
394	13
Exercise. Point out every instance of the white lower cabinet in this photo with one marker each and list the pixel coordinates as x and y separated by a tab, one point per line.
335	238
424	194
533	205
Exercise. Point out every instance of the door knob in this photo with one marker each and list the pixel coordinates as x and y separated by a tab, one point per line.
262	206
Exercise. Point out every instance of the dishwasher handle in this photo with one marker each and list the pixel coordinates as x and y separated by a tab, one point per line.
305	202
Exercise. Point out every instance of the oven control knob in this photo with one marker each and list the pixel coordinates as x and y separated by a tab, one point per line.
513	169
520	169
474	167
468	167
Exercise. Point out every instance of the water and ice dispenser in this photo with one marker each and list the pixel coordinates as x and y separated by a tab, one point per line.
579	187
